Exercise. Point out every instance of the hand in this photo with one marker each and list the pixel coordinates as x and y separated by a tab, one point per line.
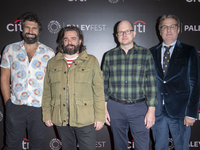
48	123
98	125
149	119
189	121
107	116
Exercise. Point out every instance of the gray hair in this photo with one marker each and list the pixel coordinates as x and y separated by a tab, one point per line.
168	17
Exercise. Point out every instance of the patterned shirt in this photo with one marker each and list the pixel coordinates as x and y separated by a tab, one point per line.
130	76
26	78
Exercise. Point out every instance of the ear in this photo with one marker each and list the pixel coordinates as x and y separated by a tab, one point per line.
134	34
116	35
178	30
80	41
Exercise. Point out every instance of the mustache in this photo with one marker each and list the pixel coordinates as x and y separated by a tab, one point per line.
70	45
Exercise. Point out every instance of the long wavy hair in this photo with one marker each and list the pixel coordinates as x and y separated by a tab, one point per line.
61	38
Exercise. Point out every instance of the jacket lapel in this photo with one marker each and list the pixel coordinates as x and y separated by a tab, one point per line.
158	61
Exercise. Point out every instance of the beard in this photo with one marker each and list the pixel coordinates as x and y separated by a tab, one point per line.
71	51
30	40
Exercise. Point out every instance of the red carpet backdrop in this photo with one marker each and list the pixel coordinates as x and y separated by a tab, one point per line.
97	19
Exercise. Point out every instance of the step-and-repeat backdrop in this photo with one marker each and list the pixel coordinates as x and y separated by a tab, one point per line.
97	20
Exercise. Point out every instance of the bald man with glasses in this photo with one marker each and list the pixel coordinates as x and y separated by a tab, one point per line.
130	90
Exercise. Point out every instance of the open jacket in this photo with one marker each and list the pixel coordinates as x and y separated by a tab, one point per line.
180	87
79	89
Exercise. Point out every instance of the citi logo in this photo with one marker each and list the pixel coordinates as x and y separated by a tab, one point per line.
139	26
131	144
189	1
14	27
25	144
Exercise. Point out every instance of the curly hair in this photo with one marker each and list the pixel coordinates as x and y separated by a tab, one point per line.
30	16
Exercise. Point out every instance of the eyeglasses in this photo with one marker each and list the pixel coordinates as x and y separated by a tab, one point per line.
127	32
172	27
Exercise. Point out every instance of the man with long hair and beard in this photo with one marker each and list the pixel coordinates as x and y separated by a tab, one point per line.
23	65
73	97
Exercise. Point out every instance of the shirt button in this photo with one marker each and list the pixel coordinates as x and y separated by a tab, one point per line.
85	104
164	82
63	88
63	104
65	72
64	120
55	70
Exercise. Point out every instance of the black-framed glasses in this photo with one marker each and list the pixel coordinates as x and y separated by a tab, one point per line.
171	27
127	32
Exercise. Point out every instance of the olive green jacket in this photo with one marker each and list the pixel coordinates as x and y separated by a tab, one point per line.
85	90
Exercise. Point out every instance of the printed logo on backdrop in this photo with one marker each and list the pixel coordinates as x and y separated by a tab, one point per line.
189	1
14	27
131	144
100	144
54	26
193	28
194	144
25	144
1	116
55	144
115	1
139	26
171	144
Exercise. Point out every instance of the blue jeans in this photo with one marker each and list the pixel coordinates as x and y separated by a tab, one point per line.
124	116
180	133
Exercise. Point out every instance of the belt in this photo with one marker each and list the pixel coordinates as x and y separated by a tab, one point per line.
127	102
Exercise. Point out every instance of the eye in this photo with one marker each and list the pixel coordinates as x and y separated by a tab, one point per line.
128	31
164	27
172	26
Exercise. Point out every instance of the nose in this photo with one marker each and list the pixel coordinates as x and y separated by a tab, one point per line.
168	28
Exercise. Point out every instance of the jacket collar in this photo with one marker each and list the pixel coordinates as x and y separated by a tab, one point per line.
82	56
175	54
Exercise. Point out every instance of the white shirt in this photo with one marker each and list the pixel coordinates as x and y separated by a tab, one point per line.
26	78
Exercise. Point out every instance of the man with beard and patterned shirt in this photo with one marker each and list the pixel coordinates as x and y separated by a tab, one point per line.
73	97
23	66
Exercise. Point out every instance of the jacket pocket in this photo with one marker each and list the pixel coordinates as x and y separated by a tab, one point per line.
83	74
55	117
55	74
84	112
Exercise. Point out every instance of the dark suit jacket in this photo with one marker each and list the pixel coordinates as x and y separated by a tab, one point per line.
180	86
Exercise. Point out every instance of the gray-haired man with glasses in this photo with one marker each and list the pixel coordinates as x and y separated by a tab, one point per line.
178	75
130	90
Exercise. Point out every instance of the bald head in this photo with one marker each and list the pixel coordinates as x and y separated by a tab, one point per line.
123	24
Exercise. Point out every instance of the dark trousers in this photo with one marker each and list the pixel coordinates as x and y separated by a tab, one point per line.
180	133
124	116
20	118
86	137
